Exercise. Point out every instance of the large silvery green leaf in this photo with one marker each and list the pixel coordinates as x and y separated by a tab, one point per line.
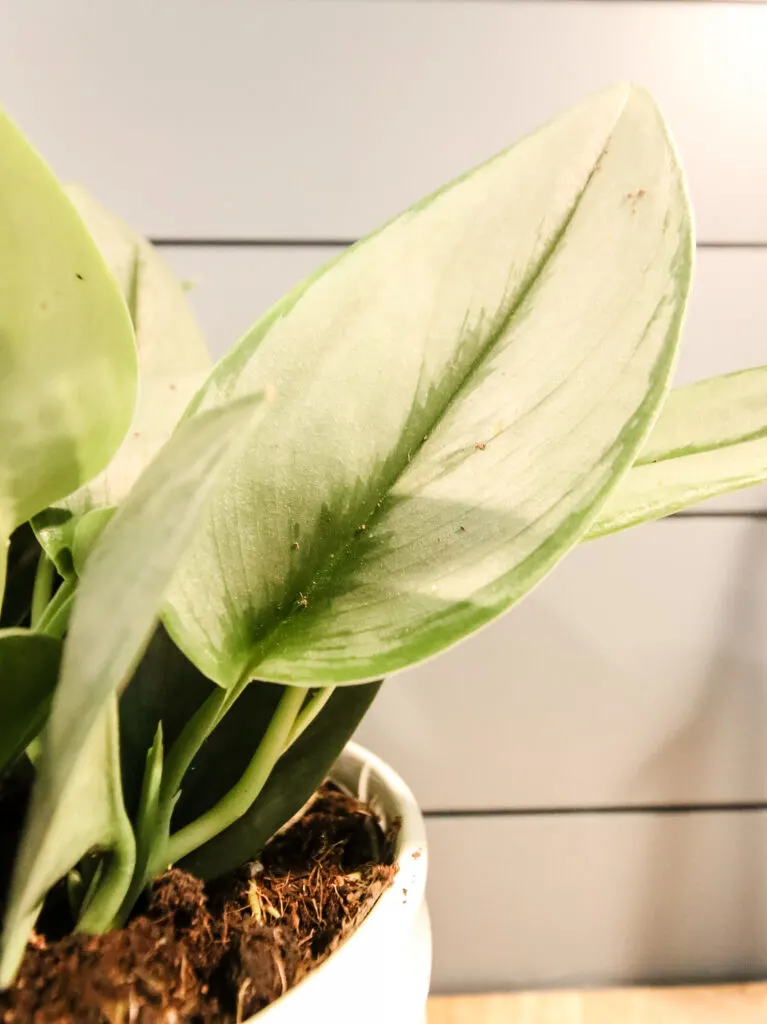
710	438
456	396
173	363
114	617
67	354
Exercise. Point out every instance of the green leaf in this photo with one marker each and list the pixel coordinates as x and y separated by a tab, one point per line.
29	669
292	781
173	364
710	438
114	616
457	396
67	358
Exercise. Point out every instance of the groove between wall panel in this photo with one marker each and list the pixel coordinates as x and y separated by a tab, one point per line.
340	243
597	811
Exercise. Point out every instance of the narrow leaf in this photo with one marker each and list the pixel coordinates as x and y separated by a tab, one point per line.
114	616
457	396
173	363
29	670
710	438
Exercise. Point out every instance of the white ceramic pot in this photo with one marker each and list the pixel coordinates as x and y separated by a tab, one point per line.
381	973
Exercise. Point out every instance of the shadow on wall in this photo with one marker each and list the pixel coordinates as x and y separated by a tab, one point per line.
702	911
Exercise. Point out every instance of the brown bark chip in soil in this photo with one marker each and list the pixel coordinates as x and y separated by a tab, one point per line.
223	953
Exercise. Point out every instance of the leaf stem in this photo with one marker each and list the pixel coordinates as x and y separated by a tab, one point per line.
308	713
192	737
242	795
55	619
180	757
146	825
41	592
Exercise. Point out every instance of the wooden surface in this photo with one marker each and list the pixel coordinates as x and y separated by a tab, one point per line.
740	1004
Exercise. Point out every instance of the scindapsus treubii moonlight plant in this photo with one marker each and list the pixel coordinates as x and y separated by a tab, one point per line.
395	453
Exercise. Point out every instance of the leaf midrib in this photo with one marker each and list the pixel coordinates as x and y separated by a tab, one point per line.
317	579
680	453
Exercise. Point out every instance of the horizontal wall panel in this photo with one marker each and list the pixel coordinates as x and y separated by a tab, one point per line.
321	119
231	286
726	326
538	902
636	673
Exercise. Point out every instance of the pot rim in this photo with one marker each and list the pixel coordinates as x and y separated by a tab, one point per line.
396	909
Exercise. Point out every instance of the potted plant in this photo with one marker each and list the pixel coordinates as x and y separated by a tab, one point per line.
210	571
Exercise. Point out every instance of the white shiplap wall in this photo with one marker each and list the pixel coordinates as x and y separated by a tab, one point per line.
594	766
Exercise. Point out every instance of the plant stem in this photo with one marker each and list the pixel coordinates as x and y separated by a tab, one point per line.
146	824
192	737
41	592
308	713
242	795
55	619
180	757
